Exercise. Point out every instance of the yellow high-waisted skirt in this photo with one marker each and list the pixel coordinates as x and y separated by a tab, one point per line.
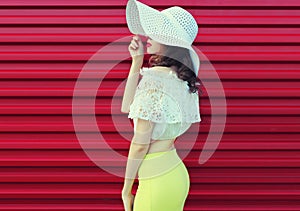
163	183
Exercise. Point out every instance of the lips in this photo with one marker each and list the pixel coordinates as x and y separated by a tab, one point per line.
148	45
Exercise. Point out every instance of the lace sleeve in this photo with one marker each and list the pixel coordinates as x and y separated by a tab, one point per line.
164	100
155	105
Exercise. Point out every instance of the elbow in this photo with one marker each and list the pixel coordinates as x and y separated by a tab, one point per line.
124	109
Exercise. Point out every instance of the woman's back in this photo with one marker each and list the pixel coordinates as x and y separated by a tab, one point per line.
172	90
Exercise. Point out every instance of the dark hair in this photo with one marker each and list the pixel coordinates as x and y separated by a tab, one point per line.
179	57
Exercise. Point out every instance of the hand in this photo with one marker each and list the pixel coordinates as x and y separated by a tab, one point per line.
136	48
128	200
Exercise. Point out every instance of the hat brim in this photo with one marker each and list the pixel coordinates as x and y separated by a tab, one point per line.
195	59
136	15
140	19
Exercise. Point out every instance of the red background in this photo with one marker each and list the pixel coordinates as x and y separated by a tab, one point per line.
255	49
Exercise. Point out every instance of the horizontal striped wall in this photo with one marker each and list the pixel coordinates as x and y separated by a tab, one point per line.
254	48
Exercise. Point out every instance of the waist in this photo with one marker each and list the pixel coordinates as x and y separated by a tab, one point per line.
161	145
158	163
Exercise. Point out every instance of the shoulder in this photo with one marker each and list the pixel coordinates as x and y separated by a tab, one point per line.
158	69
158	74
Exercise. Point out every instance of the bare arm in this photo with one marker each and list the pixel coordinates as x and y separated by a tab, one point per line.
138	149
131	85
136	50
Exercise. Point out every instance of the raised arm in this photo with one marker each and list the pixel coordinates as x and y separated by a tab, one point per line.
131	84
136	50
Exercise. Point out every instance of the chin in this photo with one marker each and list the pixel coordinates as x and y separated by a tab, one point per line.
150	51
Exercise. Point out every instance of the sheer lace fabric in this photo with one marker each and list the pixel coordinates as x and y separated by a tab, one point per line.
164	99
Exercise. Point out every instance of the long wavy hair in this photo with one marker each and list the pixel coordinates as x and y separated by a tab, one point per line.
179	57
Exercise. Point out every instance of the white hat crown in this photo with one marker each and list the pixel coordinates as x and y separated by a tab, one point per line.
172	26
184	21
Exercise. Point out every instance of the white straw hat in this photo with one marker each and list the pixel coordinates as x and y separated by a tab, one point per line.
172	26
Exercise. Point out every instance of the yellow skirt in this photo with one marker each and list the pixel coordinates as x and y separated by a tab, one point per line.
163	183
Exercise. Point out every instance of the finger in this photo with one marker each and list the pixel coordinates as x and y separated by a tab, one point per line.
137	40
132	47
136	37
135	44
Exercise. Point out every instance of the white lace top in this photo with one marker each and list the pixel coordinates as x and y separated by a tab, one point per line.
164	99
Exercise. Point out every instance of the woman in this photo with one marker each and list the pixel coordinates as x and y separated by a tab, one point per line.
163	106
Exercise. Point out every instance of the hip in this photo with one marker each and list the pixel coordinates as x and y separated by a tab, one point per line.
162	164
